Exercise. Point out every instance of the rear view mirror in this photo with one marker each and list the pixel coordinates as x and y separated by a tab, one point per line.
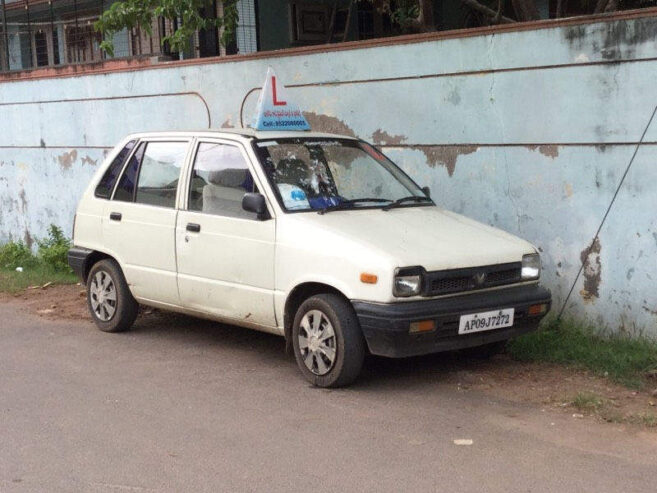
427	192
255	202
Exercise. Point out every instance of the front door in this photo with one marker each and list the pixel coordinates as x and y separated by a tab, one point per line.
139	222
225	254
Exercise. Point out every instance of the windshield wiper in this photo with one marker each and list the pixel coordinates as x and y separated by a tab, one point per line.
349	204
410	198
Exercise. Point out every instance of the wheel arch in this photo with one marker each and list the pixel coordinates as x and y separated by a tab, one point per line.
298	295
93	258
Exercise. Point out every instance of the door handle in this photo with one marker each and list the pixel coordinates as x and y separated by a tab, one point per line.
115	216
193	227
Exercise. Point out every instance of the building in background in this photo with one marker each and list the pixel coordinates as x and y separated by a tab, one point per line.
41	33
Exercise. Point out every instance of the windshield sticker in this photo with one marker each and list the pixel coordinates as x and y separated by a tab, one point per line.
267	143
293	197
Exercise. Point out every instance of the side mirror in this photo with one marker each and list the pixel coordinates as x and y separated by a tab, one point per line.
427	192
255	202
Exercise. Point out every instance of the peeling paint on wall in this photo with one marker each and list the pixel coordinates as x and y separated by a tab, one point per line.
592	271
329	124
446	155
549	150
67	159
381	137
89	161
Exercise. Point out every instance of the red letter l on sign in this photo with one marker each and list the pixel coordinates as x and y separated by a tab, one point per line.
273	90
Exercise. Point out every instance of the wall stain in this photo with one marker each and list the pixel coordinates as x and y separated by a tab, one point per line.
67	159
29	241
89	161
21	196
652	312
548	150
381	137
446	155
227	124
590	257
617	39
328	124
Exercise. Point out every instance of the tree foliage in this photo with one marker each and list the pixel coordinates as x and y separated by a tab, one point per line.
188	14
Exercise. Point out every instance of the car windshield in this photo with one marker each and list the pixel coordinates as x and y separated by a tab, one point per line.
319	174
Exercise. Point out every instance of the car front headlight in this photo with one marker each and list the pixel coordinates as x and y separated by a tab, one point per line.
531	266
408	282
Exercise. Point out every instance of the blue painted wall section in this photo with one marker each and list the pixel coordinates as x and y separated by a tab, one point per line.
529	131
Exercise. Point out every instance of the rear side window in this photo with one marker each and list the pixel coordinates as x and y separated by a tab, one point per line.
126	189
159	173
107	182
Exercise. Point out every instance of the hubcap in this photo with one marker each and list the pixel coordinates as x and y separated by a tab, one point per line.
102	294
317	342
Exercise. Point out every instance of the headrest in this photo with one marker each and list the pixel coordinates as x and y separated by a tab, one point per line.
231	177
291	171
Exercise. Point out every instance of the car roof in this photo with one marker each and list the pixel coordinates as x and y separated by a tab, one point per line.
248	133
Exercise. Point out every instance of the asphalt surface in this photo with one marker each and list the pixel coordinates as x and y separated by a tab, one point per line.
180	404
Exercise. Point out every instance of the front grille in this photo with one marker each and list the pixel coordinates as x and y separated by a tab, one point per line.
470	279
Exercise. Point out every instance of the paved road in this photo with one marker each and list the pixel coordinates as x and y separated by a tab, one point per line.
185	405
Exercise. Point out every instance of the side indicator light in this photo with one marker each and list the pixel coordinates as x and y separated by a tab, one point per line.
537	309
422	326
368	278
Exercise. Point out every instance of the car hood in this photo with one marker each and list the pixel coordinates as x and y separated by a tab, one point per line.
429	236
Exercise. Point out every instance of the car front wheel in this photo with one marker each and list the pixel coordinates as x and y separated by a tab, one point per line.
328	343
109	299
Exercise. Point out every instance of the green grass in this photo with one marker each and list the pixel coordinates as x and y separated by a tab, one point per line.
624	360
13	282
587	401
49	264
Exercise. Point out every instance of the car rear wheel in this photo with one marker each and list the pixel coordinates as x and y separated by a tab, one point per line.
109	299
328	343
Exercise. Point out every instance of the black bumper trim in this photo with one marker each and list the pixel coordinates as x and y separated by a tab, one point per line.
77	260
385	325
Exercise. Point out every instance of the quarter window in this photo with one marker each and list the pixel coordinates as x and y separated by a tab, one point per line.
159	173
107	182
125	191
220	179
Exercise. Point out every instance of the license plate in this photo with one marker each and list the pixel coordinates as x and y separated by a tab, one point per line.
478	322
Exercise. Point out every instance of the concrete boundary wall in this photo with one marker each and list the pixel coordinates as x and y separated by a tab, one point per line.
527	130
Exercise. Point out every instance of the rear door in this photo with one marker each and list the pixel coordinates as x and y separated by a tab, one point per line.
139	223
225	254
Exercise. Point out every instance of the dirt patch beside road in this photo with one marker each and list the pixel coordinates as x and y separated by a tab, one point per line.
573	391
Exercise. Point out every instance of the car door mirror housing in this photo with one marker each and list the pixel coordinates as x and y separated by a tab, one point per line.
255	202
427	192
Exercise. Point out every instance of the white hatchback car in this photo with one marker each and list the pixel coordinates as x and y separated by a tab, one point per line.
316	237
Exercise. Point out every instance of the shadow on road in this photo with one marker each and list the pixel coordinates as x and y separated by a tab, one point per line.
267	349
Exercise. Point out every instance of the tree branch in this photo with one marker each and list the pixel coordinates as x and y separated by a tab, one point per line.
474	5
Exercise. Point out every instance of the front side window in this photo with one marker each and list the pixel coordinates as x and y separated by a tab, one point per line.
319	174
159	173
220	179
107	182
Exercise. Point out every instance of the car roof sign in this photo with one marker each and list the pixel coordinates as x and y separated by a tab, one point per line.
275	109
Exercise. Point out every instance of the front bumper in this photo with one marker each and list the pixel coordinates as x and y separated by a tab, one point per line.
386	325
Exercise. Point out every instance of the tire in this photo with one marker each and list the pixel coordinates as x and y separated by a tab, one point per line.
486	351
312	341
114	313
